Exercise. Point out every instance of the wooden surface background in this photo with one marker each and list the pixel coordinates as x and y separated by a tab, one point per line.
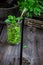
33	39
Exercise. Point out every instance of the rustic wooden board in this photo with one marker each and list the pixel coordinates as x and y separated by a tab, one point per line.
39	39
33	39
33	23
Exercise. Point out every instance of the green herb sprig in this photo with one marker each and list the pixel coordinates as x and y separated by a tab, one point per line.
13	30
33	7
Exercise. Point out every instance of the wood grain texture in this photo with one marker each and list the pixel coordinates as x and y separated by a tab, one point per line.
33	22
33	39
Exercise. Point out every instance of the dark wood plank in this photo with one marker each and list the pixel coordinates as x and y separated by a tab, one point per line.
33	22
33	39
